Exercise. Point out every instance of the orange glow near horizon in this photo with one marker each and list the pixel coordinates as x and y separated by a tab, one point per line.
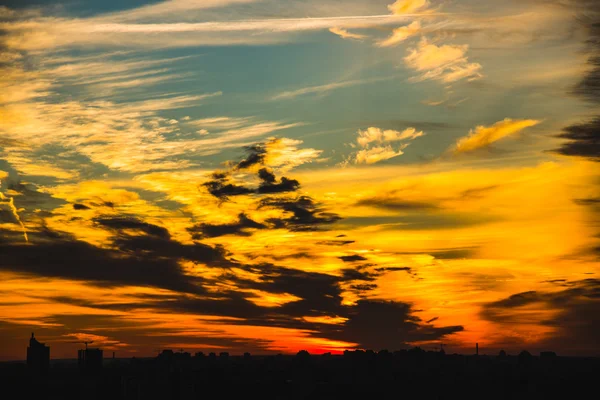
369	177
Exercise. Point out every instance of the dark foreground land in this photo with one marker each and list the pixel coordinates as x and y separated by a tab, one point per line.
356	375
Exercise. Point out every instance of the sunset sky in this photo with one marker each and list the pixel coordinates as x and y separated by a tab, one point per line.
277	175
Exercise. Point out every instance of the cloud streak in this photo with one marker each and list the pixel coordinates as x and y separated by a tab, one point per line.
11	205
344	34
484	136
43	34
401	34
324	89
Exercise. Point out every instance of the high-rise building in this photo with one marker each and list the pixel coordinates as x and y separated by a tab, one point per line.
38	356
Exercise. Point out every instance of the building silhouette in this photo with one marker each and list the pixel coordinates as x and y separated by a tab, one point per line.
90	360
38	356
357	373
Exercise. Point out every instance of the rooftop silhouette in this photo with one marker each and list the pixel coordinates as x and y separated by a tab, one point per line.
354	374
38	356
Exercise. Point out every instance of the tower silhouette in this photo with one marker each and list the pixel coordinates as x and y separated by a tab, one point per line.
38	356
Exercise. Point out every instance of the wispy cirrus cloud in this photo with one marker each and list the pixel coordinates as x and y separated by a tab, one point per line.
344	34
173	7
400	34
50	33
483	136
326	88
376	154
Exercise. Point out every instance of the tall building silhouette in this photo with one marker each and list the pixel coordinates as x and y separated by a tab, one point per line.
38	356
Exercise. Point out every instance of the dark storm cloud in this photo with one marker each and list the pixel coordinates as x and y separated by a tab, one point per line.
583	139
370	324
142	254
6	215
286	185
576	317
446	254
320	293
240	228
256	156
352	258
269	184
356	275
222	189
453	254
29	198
384	325
306	214
395	204
589	202
266	176
394	269
589	87
423	221
121	223
336	242
513	301
363	287
160	248
71	259
145	254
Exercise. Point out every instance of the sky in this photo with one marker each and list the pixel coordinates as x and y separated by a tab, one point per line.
277	175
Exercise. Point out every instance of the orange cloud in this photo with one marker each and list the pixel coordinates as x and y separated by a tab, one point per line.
399	35
344	34
408	6
483	136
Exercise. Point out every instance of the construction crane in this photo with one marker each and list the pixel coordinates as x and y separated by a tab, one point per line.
84	342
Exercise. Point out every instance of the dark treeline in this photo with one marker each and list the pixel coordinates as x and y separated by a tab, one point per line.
358	374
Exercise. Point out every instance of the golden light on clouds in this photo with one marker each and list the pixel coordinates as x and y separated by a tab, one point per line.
400	34
483	136
197	175
447	63
408	6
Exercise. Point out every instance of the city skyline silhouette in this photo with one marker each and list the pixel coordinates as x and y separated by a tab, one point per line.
309	186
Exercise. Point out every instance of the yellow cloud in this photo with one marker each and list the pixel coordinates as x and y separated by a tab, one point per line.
344	34
376	154
266	299
408	6
284	154
448	63
401	34
382	150
483	136
373	134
